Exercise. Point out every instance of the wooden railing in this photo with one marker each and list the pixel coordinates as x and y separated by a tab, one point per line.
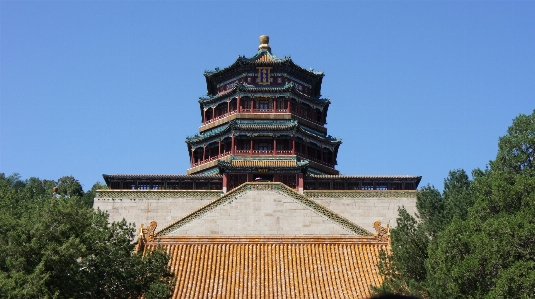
262	153
262	111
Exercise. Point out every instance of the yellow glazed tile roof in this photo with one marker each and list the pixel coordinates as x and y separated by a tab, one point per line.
272	267
264	163
264	58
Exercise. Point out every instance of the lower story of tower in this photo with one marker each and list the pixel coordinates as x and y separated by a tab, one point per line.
203	160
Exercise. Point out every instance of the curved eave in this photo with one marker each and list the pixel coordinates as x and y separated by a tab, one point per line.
328	138
248	90
240	128
213	75
237	125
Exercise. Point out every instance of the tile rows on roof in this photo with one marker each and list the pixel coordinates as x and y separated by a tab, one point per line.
285	269
264	58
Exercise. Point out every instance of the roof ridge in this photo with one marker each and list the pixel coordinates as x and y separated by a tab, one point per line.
274	186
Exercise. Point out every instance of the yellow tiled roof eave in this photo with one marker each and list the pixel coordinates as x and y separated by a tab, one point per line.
272	267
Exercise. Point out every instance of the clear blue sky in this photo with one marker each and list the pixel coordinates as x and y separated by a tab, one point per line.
418	88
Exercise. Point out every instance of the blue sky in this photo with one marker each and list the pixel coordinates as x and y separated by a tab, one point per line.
106	87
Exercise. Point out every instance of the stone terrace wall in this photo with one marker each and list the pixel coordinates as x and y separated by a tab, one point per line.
144	206
364	207
261	213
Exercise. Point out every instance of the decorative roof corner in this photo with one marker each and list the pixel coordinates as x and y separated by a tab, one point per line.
146	235
383	233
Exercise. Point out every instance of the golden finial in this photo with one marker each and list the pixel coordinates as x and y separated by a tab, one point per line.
264	43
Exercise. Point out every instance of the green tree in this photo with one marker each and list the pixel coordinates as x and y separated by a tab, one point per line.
89	197
491	253
477	234
69	186
404	269
60	248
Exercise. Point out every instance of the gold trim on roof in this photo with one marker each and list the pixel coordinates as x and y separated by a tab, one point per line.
264	58
264	163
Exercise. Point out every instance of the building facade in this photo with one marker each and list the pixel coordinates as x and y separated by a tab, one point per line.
262	211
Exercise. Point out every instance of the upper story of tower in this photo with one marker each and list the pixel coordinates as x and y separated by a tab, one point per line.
263	107
264	84
264	70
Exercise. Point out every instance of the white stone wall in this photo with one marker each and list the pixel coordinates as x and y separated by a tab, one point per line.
144	210
257	212
261	213
365	211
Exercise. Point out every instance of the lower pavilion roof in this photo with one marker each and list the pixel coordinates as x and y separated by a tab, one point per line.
287	163
108	178
273	267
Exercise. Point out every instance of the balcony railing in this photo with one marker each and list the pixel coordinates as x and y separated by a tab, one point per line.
262	153
262	111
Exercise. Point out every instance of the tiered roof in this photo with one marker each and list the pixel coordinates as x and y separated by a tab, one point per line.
261	128
244	89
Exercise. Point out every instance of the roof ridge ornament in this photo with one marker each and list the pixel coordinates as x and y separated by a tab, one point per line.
264	43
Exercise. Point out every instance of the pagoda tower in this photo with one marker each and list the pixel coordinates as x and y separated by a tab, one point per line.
263	119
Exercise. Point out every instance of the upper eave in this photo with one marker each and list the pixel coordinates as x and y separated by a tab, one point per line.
257	60
243	89
262	58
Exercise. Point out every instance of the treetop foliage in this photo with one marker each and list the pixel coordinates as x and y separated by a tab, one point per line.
477	238
59	247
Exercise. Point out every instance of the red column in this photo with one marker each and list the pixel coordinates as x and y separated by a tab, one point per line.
204	153
192	158
238	104
300	184
293	145
249	177
251	146
274	146
228	107
219	154
225	182
232	150
213	112
204	116
289	107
